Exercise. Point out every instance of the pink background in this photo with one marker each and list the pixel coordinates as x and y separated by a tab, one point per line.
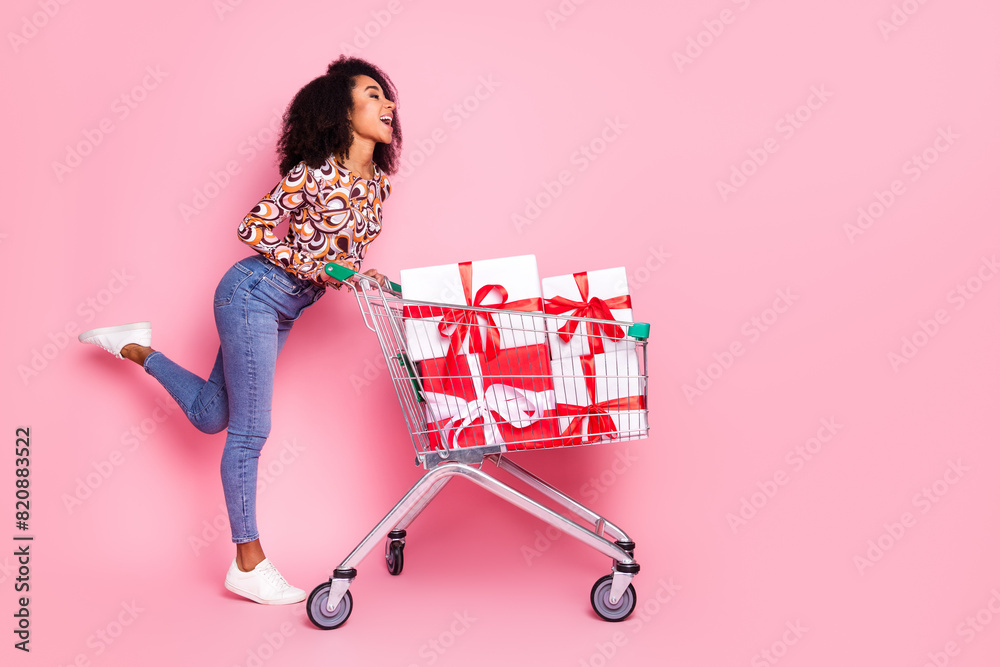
702	266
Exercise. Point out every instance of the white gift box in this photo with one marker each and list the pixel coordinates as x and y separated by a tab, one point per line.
608	285
616	377
443	285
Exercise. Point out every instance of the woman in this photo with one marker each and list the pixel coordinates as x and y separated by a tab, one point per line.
340	139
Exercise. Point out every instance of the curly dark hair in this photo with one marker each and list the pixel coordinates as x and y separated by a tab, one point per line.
315	124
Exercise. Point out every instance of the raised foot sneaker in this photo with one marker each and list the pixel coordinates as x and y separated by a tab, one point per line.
263	584
113	339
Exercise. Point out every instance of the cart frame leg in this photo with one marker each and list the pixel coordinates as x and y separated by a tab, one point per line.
419	506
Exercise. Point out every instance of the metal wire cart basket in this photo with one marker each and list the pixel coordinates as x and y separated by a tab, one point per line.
463	410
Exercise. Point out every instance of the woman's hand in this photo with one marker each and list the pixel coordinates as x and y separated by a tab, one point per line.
382	280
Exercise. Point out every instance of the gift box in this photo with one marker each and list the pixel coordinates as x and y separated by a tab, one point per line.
434	331
507	400
600	397
522	378
599	295
455	403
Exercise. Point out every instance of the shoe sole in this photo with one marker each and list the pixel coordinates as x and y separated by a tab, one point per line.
251	596
106	330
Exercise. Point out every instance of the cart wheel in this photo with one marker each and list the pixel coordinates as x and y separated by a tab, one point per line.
316	608
600	596
394	556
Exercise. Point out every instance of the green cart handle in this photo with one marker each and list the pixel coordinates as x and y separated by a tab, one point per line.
342	273
639	330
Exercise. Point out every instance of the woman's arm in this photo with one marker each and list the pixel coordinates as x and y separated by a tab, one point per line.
297	189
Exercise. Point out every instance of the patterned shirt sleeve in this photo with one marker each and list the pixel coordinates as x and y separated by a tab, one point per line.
296	190
361	245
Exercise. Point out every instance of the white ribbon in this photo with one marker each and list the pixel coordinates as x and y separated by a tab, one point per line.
519	407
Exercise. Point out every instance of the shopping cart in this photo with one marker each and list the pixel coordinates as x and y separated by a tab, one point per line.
454	437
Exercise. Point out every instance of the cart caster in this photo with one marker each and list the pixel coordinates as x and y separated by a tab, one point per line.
394	557
394	544
600	596
316	608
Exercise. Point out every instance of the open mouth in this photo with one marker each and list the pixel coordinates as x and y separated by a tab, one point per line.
387	120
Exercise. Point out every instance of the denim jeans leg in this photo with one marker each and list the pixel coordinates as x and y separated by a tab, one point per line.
249	334
204	402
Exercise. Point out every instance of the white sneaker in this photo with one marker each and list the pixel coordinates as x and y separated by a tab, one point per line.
263	584
113	339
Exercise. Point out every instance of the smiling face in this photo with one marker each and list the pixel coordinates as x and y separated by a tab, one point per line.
373	112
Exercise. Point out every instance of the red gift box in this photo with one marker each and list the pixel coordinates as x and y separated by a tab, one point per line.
522	377
474	401
457	413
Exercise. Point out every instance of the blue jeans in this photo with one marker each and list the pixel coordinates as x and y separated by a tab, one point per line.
256	303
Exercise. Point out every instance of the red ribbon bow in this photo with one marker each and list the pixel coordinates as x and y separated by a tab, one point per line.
595	308
458	322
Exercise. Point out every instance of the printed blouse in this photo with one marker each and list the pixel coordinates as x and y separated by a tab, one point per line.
334	214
